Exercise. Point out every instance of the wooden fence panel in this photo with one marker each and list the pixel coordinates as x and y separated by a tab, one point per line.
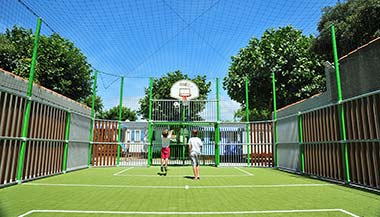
44	149
322	149
105	152
362	123
261	140
11	114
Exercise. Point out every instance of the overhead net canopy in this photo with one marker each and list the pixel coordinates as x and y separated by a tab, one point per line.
150	38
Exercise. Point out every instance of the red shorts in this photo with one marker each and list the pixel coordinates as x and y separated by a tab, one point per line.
165	152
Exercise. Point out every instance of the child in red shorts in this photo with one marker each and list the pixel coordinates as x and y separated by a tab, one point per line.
165	150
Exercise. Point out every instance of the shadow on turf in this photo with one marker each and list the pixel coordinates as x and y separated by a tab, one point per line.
188	177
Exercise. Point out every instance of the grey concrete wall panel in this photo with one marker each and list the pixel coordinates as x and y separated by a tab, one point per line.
16	85
289	157
78	151
287	130
360	71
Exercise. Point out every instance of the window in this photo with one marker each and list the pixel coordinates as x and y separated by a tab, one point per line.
137	135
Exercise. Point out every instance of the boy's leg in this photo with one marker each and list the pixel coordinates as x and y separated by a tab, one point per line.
162	164
166	164
195	171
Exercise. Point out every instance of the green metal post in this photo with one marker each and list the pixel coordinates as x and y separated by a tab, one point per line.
20	165
92	118
340	105
275	119
217	130
67	136
247	125
120	115
150	127
300	139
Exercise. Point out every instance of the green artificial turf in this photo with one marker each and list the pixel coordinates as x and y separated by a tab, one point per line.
140	189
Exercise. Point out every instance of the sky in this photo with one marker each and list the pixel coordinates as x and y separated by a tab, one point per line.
139	39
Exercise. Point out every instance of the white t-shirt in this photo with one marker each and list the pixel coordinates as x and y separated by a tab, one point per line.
166	141
196	144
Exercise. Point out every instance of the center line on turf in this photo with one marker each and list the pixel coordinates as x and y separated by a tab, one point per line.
248	173
178	187
189	213
176	176
123	171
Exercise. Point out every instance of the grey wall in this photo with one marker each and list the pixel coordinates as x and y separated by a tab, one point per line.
360	74
77	155
288	151
19	86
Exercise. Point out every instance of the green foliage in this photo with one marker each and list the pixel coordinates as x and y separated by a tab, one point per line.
161	90
60	66
98	103
113	114
356	22
287	52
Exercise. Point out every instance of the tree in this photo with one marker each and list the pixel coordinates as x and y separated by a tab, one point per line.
287	53
60	66
98	106
113	114
356	23
161	90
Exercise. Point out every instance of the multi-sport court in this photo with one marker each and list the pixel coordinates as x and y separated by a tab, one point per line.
317	157
223	191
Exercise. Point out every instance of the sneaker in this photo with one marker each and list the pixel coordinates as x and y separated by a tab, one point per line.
166	169
162	169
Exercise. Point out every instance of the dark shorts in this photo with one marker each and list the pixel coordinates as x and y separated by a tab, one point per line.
165	152
194	159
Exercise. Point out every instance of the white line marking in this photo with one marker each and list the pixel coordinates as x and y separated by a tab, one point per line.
176	176
349	213
189	213
176	187
116	174
248	173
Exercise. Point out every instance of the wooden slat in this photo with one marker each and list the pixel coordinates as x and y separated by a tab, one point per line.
337	146
43	144
321	171
357	134
314	149
14	145
10	147
324	146
364	154
328	146
367	135
376	134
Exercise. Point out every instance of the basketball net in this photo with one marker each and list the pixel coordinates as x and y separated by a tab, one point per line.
185	102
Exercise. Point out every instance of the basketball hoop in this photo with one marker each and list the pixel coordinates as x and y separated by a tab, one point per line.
184	90
185	102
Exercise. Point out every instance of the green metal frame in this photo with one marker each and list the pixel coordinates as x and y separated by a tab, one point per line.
150	125
92	118
275	120
119	125
247	119
67	137
340	106
217	126
20	165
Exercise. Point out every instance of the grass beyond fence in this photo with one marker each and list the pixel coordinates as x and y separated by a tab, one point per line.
124	191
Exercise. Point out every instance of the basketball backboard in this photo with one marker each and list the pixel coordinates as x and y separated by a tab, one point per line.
184	90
